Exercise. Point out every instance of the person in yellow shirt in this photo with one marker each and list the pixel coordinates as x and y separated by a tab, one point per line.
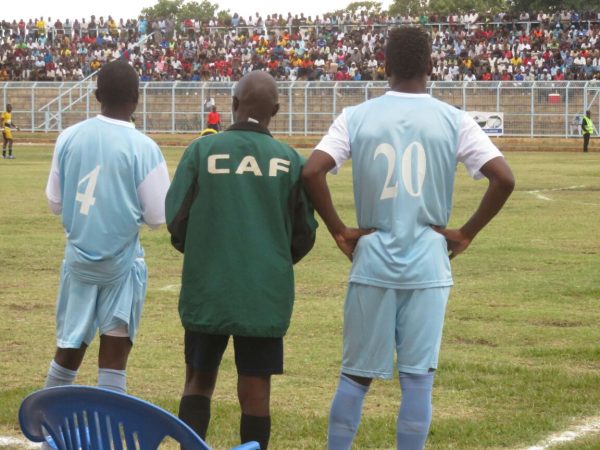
40	26
7	126
112	27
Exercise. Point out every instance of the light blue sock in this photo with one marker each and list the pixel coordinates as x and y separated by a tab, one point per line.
59	376
414	416
115	380
345	413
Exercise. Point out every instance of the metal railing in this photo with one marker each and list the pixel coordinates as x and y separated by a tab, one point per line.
55	108
531	109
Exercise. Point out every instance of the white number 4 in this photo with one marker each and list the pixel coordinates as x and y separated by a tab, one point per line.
87	198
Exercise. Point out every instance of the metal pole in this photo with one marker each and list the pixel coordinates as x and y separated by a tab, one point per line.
306	108
567	109
334	112
144	107
173	108
59	112
290	108
33	106
585	97
202	100
532	113
498	89
87	102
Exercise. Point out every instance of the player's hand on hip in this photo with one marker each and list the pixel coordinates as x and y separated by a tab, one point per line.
456	240
347	239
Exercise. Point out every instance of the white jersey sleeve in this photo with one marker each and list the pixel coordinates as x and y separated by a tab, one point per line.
53	192
474	147
336	143
152	192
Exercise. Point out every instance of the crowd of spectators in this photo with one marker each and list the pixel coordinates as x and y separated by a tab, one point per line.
469	47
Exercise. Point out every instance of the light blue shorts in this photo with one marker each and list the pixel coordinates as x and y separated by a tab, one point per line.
82	308
380	321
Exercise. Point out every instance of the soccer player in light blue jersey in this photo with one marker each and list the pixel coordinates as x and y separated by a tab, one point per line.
107	179
404	147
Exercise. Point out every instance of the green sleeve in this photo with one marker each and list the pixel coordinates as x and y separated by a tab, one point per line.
181	196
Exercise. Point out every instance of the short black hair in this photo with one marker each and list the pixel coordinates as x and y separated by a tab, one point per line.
118	83
408	52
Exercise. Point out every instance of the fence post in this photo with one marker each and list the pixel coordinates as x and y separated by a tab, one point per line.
498	89
532	113
59	112
306	108
87	102
202	101
33	106
567	109
335	88
232	94
144	107
290	108
173	107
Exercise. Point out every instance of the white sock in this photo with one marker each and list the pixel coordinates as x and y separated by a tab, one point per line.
59	376
115	380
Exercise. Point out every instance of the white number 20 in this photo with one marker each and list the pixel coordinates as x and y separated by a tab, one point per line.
391	191
87	198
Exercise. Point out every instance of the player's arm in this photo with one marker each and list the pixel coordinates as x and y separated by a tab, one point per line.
152	193
304	225
482	159
501	185
314	177
329	155
180	197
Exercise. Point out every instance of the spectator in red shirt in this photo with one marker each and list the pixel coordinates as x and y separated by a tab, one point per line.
214	119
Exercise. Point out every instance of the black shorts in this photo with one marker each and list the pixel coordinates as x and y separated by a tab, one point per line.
254	356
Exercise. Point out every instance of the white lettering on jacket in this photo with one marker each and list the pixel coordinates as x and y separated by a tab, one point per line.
217	166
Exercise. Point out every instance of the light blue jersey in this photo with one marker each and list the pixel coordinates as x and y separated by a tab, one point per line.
404	150
109	178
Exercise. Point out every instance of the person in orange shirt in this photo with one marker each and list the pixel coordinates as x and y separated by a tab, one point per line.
214	120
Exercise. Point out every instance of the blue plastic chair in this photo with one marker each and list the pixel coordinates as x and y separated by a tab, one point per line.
108	420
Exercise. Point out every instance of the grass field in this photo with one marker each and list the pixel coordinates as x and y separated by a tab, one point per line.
521	352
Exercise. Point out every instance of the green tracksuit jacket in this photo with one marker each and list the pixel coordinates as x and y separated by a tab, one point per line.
237	210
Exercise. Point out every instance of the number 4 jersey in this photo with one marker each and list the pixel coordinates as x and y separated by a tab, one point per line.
107	179
404	150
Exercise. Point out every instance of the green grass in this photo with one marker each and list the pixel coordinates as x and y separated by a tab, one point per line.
520	357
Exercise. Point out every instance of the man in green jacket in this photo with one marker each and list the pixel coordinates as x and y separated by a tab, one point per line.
587	128
237	210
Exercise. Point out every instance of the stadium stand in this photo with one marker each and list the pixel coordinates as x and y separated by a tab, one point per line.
533	46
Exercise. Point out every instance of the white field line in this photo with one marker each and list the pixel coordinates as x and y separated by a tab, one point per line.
6	441
568	188
539	196
590	426
170	288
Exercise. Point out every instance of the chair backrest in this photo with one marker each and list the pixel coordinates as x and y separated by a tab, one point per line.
107	420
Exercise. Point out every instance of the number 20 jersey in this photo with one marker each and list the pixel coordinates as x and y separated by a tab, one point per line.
404	150
109	179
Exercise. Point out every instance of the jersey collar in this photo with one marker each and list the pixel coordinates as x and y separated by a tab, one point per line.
115	121
406	94
249	126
